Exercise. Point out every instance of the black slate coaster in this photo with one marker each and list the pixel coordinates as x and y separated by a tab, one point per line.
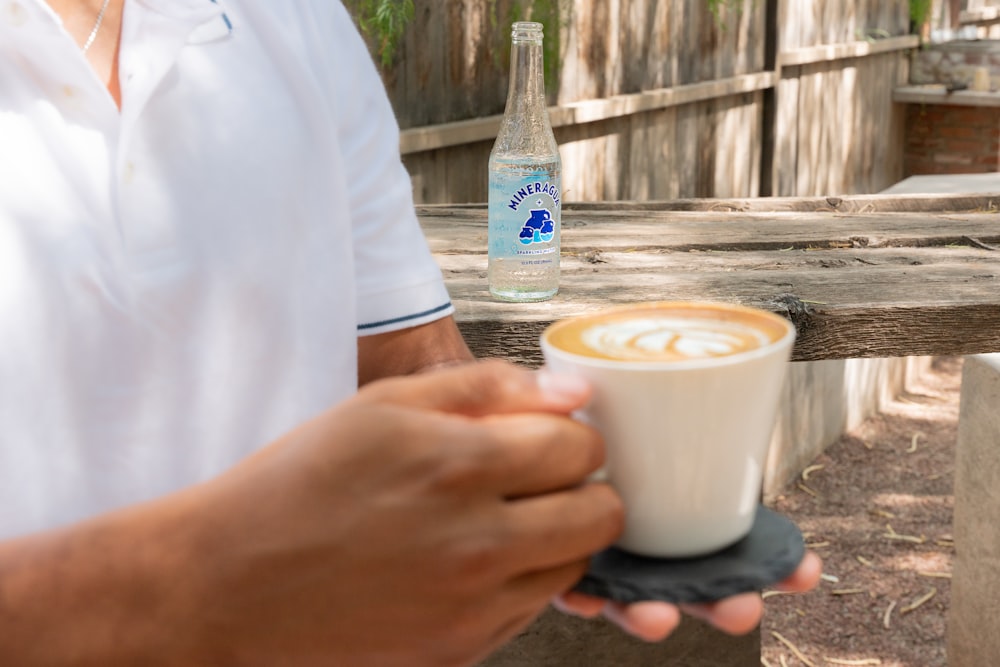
769	553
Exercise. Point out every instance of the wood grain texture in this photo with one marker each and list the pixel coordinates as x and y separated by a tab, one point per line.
910	203
876	284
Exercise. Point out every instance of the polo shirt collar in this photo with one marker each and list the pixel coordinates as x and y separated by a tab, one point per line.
193	11
153	36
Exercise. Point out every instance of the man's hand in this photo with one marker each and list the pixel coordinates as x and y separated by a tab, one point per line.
423	522
653	621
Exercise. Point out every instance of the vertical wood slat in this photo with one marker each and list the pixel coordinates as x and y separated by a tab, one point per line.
836	129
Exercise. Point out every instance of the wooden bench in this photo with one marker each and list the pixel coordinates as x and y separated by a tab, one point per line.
875	276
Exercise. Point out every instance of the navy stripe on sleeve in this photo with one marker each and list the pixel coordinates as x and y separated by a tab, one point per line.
405	318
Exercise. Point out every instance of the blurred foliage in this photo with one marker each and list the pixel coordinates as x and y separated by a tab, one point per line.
920	12
715	6
552	14
384	21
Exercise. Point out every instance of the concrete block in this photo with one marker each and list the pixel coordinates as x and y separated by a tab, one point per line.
973	640
821	400
557	640
812	415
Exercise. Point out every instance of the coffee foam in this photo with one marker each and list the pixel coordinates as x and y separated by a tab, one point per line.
667	332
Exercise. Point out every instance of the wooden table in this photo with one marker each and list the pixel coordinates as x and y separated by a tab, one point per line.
871	276
874	276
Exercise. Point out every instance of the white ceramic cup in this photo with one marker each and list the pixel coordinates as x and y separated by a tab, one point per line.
687	428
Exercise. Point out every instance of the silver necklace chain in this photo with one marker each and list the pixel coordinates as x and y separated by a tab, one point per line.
97	26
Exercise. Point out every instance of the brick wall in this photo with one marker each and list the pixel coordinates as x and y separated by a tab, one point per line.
951	139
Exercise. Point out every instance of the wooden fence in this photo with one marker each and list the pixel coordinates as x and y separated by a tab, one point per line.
657	99
837	130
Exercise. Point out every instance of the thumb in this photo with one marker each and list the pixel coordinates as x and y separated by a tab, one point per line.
484	388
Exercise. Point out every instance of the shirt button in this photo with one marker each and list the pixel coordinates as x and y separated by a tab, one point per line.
16	14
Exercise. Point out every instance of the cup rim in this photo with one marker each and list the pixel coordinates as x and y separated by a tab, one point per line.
785	341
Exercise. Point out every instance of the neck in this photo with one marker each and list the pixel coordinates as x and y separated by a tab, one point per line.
79	18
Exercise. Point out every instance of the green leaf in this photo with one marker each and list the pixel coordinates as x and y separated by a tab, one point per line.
384	21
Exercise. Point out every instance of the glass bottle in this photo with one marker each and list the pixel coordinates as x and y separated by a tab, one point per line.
525	185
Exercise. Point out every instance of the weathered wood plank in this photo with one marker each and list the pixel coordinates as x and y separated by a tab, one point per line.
834	280
786	132
463	230
856	49
910	203
845	334
776	231
431	137
856	285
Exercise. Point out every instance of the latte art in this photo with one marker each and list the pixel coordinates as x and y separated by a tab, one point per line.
671	338
667	332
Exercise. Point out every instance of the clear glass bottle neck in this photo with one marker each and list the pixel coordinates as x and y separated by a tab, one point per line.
527	77
525	129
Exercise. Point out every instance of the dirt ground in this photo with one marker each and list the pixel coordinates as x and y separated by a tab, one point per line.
877	505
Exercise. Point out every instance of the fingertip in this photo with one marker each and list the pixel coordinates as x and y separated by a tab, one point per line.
806	576
562	391
741	614
578	604
736	615
648	621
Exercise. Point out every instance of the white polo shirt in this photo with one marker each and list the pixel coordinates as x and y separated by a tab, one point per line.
185	280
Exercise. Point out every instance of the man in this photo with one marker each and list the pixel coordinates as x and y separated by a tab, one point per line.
207	244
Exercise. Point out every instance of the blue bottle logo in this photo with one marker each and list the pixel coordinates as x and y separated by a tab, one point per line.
539	228
524	216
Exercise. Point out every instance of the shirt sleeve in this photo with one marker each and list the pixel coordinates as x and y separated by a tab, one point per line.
398	283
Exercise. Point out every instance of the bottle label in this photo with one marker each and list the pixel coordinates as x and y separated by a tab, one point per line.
524	215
